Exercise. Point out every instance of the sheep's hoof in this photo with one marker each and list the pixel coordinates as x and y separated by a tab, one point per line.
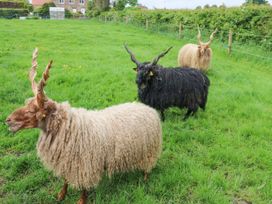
83	197
61	196
62	193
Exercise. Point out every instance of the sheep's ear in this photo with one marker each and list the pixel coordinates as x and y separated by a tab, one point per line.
135	69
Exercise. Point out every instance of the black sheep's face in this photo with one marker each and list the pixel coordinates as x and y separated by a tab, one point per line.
145	72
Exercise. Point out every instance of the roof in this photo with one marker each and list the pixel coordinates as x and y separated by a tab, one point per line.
40	2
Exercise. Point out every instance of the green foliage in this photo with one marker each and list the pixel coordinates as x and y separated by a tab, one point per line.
12	13
14	9
256	2
121	4
44	10
68	14
93	13
101	5
90	5
217	156
133	2
249	24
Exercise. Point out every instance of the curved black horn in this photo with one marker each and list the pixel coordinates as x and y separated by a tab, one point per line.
155	60
133	59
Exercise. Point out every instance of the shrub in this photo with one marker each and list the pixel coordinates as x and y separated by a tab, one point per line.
249	23
68	14
44	10
12	13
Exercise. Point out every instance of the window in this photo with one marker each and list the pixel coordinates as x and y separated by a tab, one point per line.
61	1
70	1
81	1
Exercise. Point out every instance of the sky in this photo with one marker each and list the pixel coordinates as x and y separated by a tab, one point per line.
191	4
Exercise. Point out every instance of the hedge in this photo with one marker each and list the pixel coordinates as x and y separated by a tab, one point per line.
11	4
12	13
250	23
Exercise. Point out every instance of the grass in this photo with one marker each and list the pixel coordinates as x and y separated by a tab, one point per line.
221	155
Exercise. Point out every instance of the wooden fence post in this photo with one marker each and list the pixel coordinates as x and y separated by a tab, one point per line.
230	42
146	24
180	30
105	19
126	19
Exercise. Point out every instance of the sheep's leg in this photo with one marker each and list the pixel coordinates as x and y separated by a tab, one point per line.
194	111
187	114
83	197
162	115
145	176
63	192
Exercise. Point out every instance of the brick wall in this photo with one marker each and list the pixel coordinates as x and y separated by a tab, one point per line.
72	5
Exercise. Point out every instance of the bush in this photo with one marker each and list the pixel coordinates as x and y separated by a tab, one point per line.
44	10
12	4
78	15
68	14
93	13
249	23
12	13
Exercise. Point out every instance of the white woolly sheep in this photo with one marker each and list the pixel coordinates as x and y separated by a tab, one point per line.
196	56
80	145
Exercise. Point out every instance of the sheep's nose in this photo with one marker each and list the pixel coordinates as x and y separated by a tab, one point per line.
8	120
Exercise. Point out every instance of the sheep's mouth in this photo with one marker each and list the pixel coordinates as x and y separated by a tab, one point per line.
14	127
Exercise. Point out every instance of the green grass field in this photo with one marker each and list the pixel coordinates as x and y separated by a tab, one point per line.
221	155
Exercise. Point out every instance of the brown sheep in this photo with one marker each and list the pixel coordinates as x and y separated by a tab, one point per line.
196	56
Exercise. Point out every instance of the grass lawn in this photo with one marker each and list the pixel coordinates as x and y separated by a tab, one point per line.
221	155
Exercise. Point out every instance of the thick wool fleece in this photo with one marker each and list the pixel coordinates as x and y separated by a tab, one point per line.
175	87
81	145
189	56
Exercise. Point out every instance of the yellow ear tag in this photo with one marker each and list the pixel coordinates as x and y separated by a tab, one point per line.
151	73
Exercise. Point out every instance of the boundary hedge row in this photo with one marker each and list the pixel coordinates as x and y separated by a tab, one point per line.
12	13
250	23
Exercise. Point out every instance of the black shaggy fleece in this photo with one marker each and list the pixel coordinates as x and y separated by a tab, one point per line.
162	88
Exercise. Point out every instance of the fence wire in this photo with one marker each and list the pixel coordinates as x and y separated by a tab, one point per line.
190	32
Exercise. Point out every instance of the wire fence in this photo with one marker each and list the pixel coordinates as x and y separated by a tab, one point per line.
225	39
188	33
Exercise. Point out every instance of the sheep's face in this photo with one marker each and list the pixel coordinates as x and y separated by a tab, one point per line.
37	108
29	116
145	72
204	50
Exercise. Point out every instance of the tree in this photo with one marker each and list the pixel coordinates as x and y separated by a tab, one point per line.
256	2
132	2
214	6
207	6
121	4
44	10
198	7
101	5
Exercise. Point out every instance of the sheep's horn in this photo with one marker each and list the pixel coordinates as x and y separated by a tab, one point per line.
33	71
212	36
155	60
40	89
133	59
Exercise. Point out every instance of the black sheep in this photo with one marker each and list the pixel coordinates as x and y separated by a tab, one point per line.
162	88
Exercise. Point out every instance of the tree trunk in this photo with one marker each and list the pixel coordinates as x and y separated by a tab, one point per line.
101	5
